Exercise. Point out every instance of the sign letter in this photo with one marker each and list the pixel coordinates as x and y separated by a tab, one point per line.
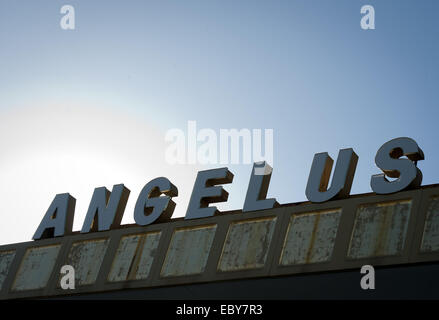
58	220
150	206
316	188
258	187
106	209
205	191
405	170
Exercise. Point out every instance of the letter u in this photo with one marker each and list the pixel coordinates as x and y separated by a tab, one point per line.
317	186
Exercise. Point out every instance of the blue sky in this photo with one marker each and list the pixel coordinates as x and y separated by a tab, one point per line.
302	68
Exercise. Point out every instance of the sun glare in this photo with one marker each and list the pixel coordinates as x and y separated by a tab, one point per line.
59	149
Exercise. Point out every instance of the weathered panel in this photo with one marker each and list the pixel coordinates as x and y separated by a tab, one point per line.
430	237
188	251
86	257
247	244
310	237
6	259
380	229
134	257
36	268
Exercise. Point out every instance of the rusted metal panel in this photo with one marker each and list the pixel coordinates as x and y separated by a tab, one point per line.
430	236
380	229
310	237
6	259
86	257
247	244
188	251
36	268
134	257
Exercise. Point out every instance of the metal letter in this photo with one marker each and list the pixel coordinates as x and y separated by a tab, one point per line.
205	191
106	209
316	188
58	220
150	206
405	170
258	187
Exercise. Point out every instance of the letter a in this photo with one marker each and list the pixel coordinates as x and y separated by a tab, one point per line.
68	21
367	281
58	220
368	20
68	280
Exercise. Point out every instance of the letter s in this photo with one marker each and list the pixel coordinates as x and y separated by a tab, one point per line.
405	170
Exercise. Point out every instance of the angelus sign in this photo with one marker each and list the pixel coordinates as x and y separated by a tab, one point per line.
154	203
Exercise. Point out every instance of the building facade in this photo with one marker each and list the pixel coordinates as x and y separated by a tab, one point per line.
295	251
